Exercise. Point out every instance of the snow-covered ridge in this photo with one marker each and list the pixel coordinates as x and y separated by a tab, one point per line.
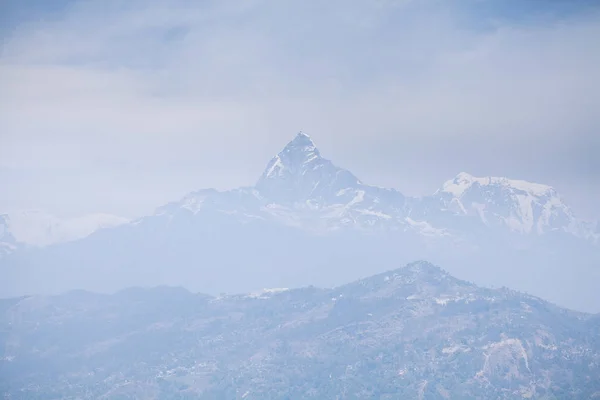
37	228
300	188
518	205
464	181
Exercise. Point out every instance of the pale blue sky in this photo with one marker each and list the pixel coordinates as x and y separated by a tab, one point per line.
111	106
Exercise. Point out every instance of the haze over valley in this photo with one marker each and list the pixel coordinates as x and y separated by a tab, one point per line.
260	199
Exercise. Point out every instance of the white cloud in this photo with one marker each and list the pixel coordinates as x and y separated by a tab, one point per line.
200	97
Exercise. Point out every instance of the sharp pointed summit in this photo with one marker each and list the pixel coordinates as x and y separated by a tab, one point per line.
303	137
299	172
300	151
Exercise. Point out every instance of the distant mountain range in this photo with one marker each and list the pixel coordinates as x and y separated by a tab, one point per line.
38	228
412	333
300	188
308	221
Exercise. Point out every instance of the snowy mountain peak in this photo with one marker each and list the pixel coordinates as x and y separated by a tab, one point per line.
299	173
521	206
302	142
294	157
464	181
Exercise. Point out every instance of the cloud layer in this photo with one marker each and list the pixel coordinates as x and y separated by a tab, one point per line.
113	108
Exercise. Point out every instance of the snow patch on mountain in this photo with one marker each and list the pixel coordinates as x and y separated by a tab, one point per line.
425	229
266	293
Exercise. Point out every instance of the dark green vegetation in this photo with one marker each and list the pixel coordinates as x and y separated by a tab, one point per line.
412	333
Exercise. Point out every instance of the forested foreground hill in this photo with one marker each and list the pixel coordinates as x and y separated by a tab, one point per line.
415	332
